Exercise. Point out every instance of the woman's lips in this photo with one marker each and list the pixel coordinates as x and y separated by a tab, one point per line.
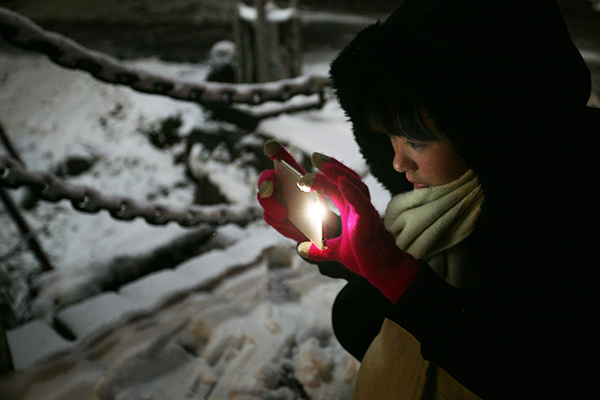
417	185
420	185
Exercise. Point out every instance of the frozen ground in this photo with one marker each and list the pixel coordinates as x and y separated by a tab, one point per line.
247	319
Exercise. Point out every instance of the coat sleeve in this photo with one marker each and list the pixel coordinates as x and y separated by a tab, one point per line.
494	352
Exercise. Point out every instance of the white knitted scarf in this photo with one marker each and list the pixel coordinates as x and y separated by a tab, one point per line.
428	221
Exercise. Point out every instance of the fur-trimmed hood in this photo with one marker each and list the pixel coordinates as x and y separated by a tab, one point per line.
490	72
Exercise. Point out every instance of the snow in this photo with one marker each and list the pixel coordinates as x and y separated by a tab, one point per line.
273	13
28	340
89	316
244	319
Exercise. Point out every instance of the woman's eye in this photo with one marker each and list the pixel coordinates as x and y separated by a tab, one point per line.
417	145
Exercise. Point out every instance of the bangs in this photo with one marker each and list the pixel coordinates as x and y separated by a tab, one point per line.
394	119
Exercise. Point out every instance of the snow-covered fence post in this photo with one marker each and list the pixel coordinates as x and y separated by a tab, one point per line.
268	41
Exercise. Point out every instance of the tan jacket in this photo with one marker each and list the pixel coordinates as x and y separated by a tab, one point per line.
394	369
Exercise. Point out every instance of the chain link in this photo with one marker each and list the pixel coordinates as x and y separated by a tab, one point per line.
23	32
49	187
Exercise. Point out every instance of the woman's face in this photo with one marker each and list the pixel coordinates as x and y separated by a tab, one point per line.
427	164
430	163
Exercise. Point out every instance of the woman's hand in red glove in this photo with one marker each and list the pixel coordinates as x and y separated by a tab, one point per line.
275	213
365	246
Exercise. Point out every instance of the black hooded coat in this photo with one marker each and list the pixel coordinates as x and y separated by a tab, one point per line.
505	83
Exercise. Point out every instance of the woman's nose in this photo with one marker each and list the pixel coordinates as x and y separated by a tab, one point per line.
402	162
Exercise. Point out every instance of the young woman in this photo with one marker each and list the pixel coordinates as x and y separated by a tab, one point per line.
483	281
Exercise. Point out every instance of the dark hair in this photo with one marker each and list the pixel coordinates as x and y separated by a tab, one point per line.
395	117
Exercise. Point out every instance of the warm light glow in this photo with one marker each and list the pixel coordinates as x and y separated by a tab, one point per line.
316	211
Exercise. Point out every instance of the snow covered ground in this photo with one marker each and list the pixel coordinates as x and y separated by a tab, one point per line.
245	319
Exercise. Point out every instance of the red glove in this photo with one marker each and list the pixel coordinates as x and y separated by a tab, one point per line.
365	246
275	213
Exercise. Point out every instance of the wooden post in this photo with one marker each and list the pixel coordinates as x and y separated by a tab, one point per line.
238	36
296	42
261	56
268	42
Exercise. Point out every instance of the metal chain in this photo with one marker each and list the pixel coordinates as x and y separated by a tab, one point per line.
23	32
49	187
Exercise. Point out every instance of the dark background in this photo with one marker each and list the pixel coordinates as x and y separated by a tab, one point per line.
184	30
